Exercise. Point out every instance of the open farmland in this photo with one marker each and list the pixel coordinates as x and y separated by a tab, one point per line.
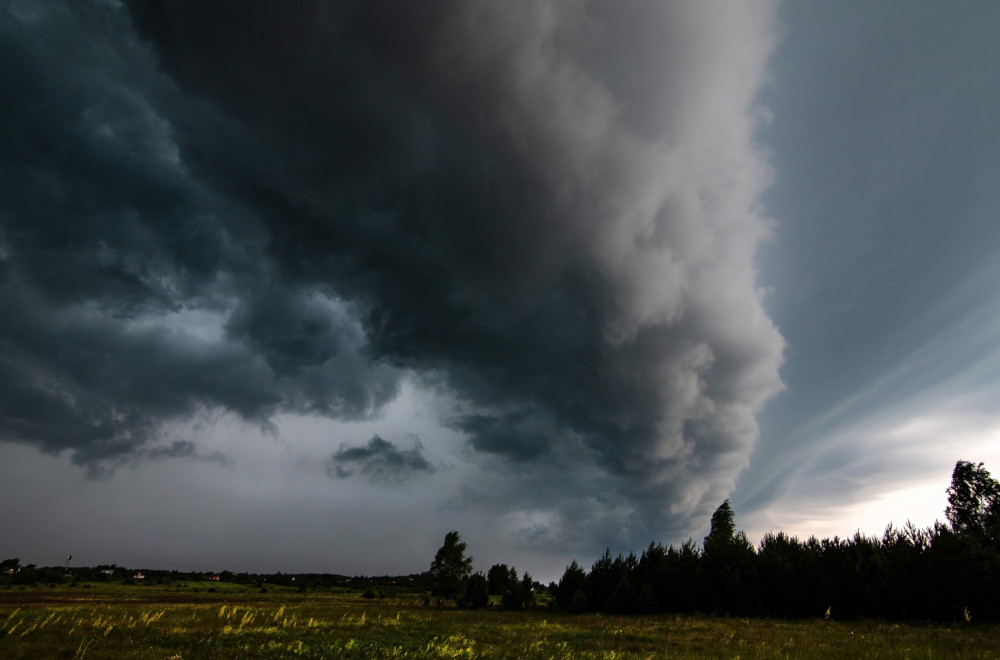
140	622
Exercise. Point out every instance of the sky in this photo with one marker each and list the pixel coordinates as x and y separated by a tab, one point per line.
304	286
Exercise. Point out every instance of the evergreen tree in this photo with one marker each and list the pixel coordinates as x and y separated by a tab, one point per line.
497	578
723	530
574	579
728	564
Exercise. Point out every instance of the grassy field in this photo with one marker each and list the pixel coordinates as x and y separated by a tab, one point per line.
177	622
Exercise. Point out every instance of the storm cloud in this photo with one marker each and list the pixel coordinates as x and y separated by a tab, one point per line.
545	212
380	460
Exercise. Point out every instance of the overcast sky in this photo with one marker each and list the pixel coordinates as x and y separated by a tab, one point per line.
304	286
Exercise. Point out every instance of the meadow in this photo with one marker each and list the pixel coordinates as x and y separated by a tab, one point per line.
184	621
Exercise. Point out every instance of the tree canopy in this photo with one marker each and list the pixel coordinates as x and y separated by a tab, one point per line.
974	502
723	529
945	572
450	569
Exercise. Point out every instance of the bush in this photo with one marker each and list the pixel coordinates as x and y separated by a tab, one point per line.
25	576
477	591
517	596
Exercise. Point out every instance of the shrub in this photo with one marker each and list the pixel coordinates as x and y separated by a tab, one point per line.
477	591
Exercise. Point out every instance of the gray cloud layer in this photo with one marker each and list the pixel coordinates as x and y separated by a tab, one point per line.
546	211
883	295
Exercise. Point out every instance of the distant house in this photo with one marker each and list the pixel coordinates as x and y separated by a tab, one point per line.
139	576
214	577
108	571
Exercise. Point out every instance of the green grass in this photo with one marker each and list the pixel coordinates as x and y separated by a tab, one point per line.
124	621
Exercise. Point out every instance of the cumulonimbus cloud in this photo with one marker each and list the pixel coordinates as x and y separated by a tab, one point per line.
551	208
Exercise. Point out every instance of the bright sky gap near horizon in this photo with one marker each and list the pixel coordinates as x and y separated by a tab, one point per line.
304	287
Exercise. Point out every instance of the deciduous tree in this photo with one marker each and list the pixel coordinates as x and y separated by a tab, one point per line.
974	502
450	569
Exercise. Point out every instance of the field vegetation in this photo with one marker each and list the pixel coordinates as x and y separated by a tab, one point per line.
237	621
910	594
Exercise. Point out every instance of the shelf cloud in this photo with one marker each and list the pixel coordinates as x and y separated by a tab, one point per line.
546	213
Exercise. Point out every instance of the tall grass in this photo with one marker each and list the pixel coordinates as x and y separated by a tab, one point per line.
63	624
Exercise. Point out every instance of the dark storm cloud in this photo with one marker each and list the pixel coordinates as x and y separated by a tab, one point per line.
380	460
130	293
506	435
552	220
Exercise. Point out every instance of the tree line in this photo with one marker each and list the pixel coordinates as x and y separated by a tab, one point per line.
944	572
452	578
